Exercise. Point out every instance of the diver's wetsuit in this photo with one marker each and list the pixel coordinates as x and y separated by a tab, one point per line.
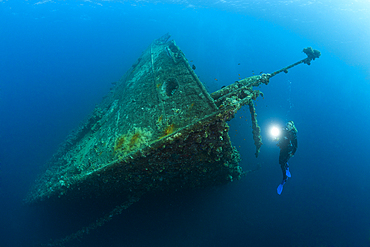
288	146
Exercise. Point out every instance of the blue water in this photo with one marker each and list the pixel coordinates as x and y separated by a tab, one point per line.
58	59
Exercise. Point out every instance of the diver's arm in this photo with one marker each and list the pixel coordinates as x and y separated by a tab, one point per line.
295	145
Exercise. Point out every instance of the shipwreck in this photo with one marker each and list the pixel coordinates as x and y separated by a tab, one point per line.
158	129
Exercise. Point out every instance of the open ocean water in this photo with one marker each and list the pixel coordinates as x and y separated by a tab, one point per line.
58	59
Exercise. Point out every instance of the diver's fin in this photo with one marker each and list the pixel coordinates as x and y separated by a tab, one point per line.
280	188
287	172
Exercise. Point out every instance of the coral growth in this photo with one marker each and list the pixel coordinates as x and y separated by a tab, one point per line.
119	143
134	140
131	141
168	130
256	129
160	119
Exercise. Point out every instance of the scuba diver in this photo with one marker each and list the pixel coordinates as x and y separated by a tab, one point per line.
288	146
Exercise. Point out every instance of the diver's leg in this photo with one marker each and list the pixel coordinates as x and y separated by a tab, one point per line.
283	158
283	161
287	172
283	170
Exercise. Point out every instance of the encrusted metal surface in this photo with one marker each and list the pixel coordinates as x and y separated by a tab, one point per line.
158	129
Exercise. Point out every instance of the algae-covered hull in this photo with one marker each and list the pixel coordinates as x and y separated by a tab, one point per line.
157	129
